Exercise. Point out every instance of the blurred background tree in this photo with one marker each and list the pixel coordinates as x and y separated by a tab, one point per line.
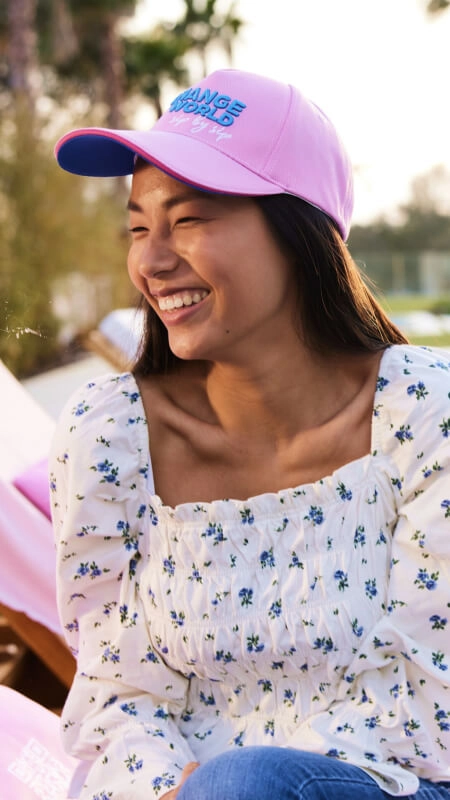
70	63
434	6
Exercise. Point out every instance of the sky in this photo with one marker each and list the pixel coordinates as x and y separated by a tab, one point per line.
379	68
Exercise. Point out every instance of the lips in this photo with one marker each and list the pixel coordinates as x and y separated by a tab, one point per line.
180	299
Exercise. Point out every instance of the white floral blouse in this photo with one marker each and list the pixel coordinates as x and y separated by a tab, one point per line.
313	618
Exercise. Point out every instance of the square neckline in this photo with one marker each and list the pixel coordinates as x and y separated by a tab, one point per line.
304	488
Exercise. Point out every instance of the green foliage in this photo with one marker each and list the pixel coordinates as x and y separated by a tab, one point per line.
48	229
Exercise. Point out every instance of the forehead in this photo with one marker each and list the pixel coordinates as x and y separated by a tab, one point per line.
149	180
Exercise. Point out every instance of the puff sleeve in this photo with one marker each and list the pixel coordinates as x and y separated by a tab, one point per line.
118	718
392	714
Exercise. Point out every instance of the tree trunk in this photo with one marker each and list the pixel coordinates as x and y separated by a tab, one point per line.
113	71
22	52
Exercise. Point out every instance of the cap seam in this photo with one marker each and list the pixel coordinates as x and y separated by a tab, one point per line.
281	128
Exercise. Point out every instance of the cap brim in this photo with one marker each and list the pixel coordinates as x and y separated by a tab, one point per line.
99	152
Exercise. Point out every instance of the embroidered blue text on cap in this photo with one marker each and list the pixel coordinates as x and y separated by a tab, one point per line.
210	104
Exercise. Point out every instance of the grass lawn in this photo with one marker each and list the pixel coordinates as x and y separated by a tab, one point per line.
403	303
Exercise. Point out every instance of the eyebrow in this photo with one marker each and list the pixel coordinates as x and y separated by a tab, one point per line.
193	194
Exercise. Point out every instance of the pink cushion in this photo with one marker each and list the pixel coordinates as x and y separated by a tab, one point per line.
33	483
32	762
28	559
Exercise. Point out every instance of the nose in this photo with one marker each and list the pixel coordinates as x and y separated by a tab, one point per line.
157	257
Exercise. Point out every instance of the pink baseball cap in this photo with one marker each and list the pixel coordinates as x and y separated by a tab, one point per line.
235	133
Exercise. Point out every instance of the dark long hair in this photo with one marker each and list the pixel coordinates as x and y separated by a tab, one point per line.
337	310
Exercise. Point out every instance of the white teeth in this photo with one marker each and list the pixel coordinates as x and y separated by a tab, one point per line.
178	300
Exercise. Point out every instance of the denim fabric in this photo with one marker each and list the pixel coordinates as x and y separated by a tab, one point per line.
273	773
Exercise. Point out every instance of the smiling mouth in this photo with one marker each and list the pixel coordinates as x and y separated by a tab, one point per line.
180	300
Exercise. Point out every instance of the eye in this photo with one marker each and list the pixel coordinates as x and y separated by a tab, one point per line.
186	220
138	229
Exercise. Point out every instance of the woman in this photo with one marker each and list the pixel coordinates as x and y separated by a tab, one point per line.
289	641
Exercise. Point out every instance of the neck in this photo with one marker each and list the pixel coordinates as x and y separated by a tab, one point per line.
281	396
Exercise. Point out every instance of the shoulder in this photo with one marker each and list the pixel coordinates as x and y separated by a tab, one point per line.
408	374
103	429
412	402
109	397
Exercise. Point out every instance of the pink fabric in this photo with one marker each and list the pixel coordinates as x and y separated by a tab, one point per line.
236	133
33	483
26	429
28	560
32	762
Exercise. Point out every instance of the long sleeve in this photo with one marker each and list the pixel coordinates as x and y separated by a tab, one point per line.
118	717
392	714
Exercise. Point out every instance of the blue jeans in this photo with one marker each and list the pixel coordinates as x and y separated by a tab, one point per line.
275	773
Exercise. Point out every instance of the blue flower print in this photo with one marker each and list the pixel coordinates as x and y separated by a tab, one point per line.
133	764
177	619
371	588
110	653
441	718
110	701
446	504
445	427
359	537
315	515
215	531
295	561
357	629
343	492
410	726
289	697
372	722
81	408
425	580
169	566
418	389
133	397
282	527
207	700
266	685
381	383
267	559
275	609
109	471
91	569
269	727
247	517
335	753
342	579
437	659
130	541
226	658
195	575
324	643
404	434
253	644
163	781
129	708
246	596
153	515
439	623
150	656
160	713
125	618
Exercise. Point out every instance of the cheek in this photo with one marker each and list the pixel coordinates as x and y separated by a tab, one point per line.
134	272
